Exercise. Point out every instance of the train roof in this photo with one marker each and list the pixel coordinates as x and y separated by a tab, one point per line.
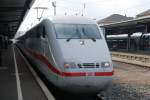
73	20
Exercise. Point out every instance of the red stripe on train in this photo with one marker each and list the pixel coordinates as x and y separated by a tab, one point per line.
57	71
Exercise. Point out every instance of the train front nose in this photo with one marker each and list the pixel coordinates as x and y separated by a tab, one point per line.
86	85
87	77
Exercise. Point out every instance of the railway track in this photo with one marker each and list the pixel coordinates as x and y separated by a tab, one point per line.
130	82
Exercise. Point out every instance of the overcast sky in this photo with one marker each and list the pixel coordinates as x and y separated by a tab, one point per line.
96	9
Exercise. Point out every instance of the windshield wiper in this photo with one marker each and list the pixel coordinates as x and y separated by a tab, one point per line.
94	40
77	32
68	39
83	31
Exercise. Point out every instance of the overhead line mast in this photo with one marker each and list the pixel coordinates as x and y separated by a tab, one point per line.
54	5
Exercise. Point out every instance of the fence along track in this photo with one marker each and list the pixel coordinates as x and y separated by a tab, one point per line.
136	59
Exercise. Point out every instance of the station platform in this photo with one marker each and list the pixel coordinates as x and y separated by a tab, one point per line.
16	80
134	52
139	58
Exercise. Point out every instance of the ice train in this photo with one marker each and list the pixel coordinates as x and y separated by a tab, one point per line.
71	52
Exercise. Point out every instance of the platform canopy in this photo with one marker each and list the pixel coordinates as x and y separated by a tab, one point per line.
12	13
129	26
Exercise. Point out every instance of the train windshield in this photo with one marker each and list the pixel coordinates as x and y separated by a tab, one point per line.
77	31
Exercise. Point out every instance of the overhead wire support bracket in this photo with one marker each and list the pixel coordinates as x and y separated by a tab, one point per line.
40	8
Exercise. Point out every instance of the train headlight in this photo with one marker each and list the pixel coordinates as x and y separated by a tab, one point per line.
69	65
105	64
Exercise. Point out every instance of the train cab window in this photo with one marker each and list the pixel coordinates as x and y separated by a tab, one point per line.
77	31
66	31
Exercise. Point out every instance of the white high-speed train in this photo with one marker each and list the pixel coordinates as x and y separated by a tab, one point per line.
71	52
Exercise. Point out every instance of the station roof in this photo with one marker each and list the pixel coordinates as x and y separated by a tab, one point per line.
134	21
12	13
137	24
145	13
114	18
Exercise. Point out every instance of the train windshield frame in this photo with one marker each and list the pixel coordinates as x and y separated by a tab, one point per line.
77	31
